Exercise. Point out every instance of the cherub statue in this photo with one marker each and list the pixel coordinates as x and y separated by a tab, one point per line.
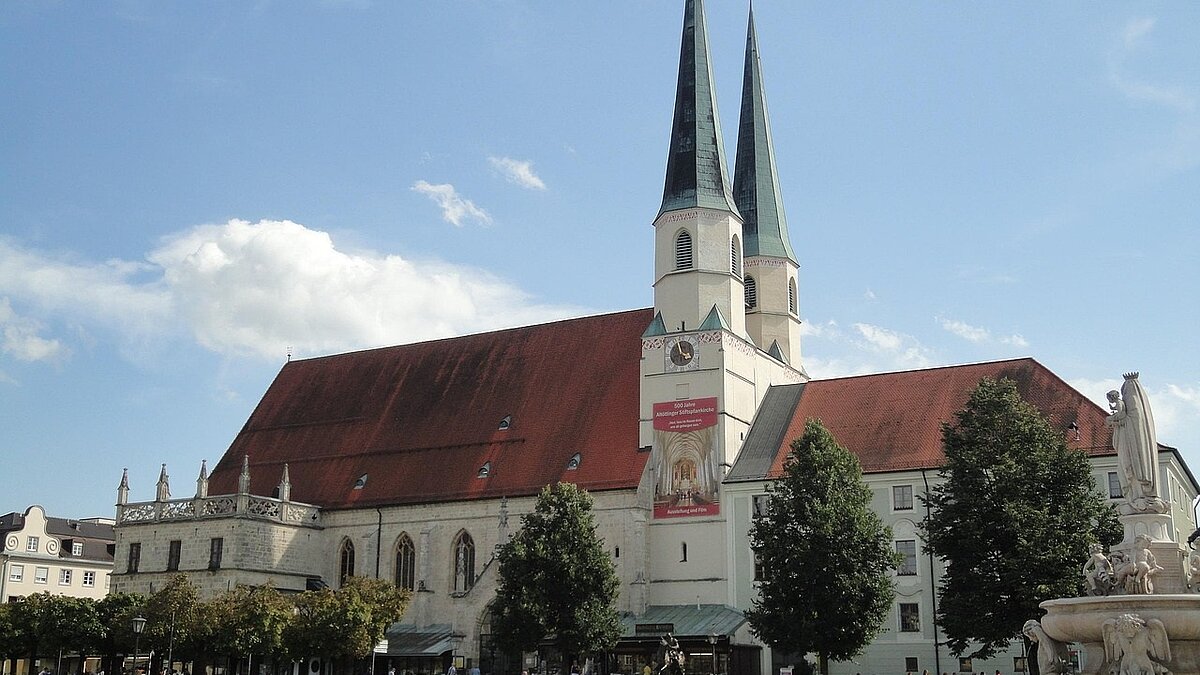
1098	572
1135	646
1138	574
1051	654
1194	571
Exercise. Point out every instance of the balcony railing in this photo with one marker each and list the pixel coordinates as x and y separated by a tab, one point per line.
220	506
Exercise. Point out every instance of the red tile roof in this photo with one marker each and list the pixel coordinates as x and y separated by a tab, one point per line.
420	420
892	421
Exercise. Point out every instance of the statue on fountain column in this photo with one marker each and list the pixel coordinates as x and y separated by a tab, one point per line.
1134	440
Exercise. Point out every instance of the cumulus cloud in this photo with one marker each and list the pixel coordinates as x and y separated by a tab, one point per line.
518	171
865	348
869	349
455	208
253	289
980	335
19	337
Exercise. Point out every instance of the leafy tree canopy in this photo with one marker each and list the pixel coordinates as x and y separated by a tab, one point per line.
826	558
555	578
348	622
173	618
1012	516
248	620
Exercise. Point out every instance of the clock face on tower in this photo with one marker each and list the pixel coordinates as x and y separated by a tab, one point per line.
681	354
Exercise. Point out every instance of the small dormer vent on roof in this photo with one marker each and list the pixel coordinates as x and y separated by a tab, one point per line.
506	422
361	482
485	470
573	463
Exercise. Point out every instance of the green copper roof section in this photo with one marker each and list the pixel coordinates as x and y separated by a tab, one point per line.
656	327
695	163
755	181
715	320
777	353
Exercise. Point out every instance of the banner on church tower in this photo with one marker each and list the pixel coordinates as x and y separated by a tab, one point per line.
686	456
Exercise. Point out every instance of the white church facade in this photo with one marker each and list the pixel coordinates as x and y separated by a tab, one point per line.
412	463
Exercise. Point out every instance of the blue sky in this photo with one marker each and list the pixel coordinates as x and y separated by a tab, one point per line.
189	190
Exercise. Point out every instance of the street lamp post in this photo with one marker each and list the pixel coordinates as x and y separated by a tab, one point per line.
712	641
139	624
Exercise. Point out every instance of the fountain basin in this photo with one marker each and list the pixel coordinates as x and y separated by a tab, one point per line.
1080	620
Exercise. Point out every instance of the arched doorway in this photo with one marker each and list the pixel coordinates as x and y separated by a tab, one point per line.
493	660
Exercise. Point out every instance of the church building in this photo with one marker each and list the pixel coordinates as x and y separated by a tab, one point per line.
413	463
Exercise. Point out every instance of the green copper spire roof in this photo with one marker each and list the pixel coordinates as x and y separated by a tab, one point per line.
755	182
695	164
715	320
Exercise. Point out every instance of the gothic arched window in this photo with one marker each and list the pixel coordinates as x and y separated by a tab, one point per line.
792	296
683	250
735	257
406	559
751	293
464	562
346	562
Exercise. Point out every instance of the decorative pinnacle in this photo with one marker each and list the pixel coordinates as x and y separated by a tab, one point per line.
1131	376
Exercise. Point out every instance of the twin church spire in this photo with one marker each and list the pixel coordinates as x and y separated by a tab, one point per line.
752	249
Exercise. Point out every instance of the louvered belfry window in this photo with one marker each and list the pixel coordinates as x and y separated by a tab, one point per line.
683	251
792	297
751	293
735	257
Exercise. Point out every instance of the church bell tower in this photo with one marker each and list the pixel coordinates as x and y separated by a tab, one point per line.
697	240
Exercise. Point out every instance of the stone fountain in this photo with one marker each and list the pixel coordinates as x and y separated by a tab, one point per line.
1142	616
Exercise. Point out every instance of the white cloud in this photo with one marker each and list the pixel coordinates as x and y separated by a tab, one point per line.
253	289
455	208
869	294
518	171
829	329
979	335
964	330
879	338
1172	96
19	337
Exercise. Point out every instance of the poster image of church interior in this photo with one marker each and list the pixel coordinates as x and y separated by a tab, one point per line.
686	458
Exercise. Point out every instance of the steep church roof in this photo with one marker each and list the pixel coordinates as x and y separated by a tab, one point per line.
695	163
418	423
755	180
892	421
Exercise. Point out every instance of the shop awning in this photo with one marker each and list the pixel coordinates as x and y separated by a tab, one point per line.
408	640
682	620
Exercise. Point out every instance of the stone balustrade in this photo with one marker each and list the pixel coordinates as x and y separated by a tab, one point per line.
220	506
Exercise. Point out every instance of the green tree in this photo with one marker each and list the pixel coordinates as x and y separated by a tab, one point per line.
249	620
555	578
825	557
173	619
115	613
1013	517
346	623
10	645
44	624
